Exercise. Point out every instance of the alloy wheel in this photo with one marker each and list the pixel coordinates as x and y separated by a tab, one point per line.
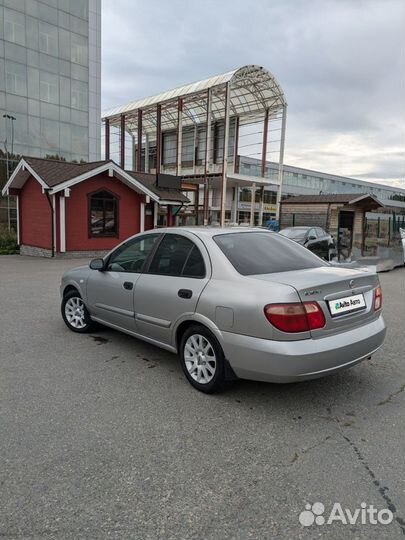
200	359
75	314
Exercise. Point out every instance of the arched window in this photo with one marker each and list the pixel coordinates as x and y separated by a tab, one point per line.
103	214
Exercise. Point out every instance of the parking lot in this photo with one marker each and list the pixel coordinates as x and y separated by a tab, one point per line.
101	436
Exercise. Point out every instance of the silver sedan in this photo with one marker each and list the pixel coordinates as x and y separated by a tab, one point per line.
231	303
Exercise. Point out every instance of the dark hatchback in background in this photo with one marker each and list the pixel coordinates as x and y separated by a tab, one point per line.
313	238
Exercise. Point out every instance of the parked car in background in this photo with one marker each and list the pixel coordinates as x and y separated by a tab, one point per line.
313	238
231	302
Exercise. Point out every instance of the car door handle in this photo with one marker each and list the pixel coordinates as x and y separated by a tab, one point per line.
128	285
185	293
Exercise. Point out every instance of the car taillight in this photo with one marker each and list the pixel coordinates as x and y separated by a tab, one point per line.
295	317
377	299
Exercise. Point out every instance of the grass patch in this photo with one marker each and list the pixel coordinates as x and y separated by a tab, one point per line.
8	241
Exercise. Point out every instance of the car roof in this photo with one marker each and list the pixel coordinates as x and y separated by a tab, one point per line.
301	227
212	231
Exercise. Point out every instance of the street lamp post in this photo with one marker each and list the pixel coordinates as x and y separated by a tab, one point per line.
12	118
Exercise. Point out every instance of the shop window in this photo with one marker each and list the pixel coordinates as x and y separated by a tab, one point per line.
103	214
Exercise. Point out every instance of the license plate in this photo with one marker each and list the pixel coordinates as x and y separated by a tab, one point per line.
347	304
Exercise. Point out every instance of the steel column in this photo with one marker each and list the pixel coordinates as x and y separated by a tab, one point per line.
107	139
207	155
235	217
264	147
147	153
281	160
158	137
196	203
122	142
252	205
225	161
261	205
133	152
155	214
194	147
139	142
236	147
170	217
179	135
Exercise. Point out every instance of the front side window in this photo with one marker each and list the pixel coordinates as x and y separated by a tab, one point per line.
265	253
131	256
103	214
177	256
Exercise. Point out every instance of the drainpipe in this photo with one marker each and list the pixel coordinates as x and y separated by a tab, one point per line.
52	219
179	209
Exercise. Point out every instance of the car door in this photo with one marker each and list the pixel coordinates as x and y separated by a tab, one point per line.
110	292
323	242
171	285
312	242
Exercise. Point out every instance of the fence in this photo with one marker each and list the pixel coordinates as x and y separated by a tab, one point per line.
297	219
381	232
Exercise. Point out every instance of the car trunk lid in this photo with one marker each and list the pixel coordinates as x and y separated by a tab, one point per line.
345	295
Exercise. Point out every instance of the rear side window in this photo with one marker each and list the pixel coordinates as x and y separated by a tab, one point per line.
194	266
177	256
265	253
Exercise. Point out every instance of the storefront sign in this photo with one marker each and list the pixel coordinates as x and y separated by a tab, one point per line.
268	208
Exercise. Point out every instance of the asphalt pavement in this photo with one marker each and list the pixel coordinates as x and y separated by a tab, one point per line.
102	437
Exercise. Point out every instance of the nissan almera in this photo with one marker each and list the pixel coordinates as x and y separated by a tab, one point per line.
234	302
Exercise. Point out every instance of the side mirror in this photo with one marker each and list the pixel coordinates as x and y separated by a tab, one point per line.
311	238
97	264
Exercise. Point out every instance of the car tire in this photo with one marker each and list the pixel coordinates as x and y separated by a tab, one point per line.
202	359
75	313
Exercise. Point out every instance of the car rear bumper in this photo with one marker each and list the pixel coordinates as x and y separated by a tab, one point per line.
292	361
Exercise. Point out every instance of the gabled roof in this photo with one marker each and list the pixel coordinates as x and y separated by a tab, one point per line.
55	172
55	176
337	198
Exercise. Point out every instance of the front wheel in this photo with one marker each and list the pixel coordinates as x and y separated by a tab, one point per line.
75	314
202	359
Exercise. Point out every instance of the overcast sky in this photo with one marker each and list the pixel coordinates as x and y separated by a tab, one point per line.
341	64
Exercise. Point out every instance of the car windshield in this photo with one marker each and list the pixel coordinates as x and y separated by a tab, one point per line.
296	232
265	253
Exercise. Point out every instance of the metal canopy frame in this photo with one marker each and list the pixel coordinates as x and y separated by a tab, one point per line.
246	96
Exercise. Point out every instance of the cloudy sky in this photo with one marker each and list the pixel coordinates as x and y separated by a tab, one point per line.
341	64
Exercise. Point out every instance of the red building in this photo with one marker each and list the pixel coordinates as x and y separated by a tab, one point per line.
85	209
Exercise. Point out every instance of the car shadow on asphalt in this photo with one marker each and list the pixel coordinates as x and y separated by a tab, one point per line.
322	393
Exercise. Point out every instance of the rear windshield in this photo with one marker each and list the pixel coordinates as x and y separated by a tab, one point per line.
265	253
298	232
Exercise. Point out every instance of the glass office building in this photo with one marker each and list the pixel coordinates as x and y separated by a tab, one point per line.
299	181
50	73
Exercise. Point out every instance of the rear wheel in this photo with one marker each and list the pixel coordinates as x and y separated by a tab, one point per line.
202	359
75	314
